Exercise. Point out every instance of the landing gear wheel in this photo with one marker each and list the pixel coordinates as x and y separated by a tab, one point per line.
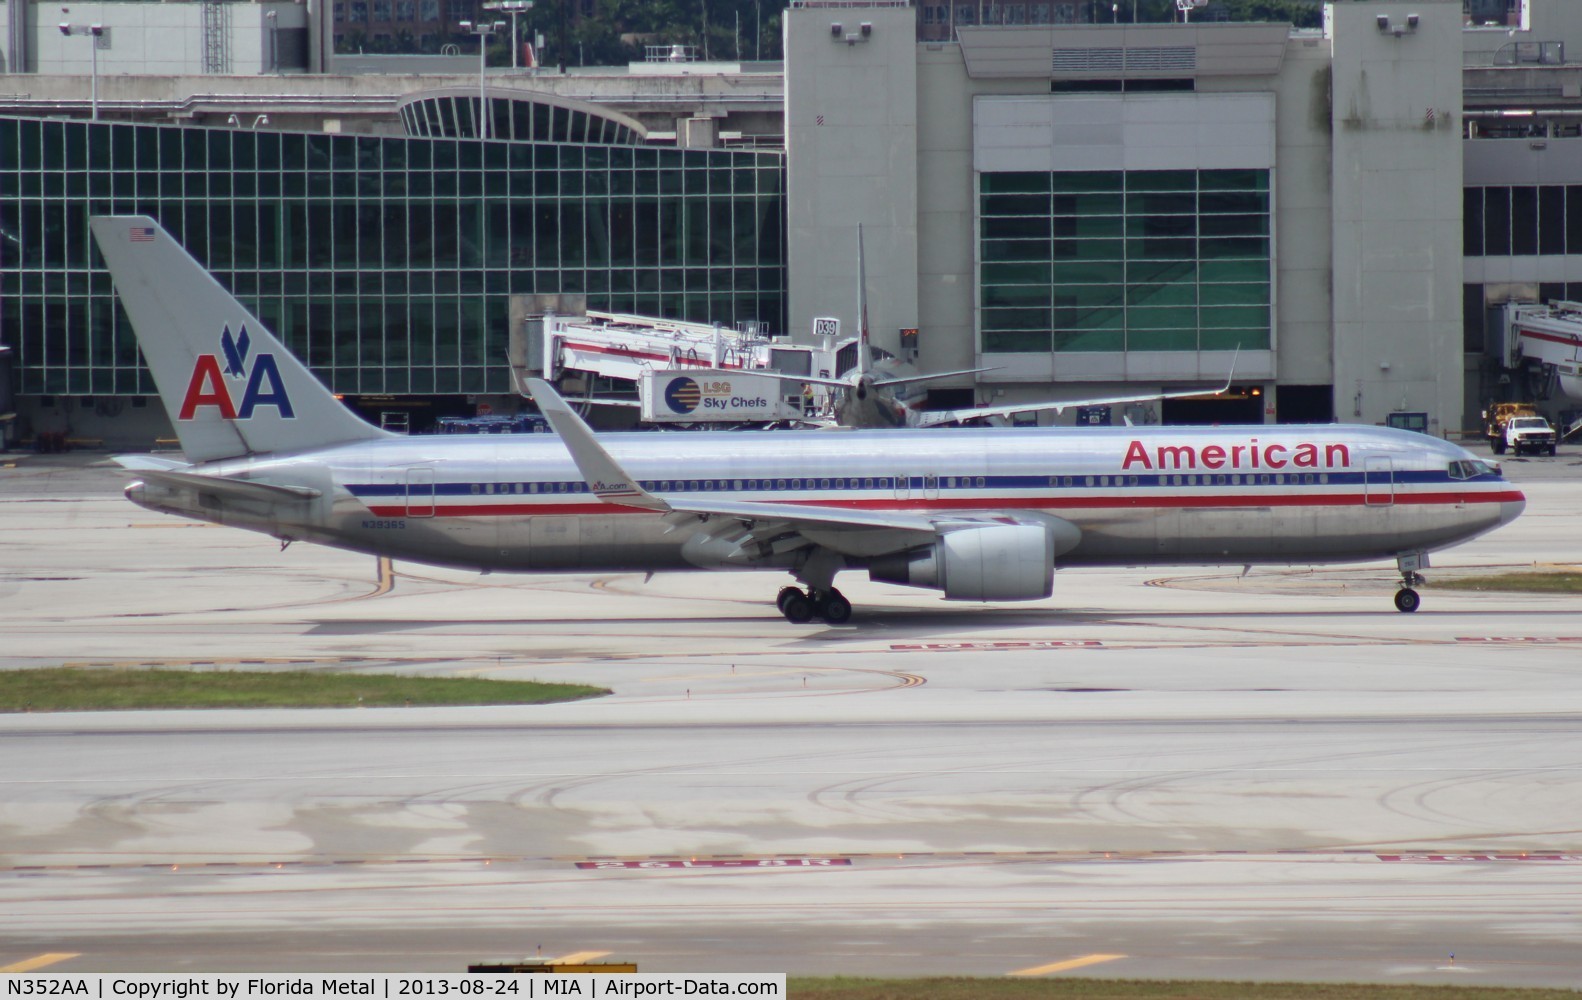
1407	601
833	607
785	594
796	606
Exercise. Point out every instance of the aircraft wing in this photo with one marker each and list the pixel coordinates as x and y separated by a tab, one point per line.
934	418
610	483
910	379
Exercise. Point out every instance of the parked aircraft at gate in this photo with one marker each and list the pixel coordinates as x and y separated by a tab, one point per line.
983	514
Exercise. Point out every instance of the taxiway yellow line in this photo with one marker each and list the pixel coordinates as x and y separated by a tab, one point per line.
39	961
385	578
577	957
1067	965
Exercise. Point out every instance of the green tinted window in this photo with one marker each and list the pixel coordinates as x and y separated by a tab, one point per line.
357	252
1164	260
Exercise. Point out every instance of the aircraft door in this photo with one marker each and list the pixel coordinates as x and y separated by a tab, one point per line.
930	487
903	487
1378	481
420	493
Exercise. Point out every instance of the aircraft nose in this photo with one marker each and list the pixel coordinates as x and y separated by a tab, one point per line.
1510	510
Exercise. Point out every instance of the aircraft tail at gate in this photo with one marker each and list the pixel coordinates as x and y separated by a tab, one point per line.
230	387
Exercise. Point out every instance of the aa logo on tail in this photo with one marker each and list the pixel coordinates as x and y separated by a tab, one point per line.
212	386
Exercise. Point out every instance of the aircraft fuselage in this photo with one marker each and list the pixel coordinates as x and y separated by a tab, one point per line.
1139	495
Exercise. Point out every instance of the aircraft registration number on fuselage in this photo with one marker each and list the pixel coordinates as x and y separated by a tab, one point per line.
384	524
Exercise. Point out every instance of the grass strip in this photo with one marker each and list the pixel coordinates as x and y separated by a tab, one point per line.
70	689
1530	583
841	988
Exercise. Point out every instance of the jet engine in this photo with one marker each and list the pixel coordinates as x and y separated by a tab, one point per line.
1000	562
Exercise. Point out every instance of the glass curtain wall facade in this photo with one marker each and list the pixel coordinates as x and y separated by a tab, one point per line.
386	263
1142	260
518	120
1523	220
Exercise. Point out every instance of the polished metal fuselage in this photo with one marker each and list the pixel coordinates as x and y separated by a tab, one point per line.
1143	495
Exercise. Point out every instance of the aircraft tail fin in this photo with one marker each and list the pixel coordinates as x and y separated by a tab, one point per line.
864	355
230	388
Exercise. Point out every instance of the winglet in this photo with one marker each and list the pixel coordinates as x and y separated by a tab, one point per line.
604	475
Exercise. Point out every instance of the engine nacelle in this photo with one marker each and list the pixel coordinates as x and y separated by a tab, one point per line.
1001	562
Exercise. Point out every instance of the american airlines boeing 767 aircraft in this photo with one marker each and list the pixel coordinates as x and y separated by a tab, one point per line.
983	514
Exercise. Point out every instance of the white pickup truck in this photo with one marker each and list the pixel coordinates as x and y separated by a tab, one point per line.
1529	434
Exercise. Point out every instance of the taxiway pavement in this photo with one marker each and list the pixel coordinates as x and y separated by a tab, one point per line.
1156	773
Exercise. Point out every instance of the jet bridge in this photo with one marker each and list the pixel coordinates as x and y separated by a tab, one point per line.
1545	342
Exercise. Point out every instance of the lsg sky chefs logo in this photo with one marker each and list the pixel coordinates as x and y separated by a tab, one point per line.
212	386
682	394
720	397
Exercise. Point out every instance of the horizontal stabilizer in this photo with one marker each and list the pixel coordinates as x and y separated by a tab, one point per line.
238	488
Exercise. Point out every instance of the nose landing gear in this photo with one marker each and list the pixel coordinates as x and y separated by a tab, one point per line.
1406	599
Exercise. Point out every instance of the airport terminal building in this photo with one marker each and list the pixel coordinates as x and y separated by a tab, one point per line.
1082	209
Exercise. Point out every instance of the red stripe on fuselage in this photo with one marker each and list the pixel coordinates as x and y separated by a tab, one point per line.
1003	503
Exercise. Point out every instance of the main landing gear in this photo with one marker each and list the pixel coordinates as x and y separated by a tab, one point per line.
800	607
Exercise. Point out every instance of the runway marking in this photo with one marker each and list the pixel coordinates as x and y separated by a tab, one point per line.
853	859
1067	965
1521	856
1538	639
39	961
162	524
576	958
764	863
386	577
910	647
217	662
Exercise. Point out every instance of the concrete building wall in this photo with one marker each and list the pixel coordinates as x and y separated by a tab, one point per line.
1396	216
1303	248
157	38
851	136
945	211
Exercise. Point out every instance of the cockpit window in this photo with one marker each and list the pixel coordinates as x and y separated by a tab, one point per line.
1471	469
